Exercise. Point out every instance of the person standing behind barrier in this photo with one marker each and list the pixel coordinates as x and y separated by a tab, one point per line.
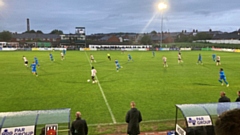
79	126
238	99
223	97
228	123
223	107
133	118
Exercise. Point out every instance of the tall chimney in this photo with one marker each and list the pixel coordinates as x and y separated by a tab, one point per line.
28	25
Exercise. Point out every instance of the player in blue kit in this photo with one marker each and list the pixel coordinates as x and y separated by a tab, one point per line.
64	51
222	77
153	53
199	59
36	61
117	65
34	68
214	57
130	57
51	57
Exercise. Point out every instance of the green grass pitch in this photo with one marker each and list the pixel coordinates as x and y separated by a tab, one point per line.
155	89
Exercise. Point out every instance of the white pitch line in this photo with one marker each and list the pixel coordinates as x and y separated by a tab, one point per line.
104	97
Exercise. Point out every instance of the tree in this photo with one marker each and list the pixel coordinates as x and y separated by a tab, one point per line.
58	32
31	31
146	40
202	36
154	32
5	36
39	31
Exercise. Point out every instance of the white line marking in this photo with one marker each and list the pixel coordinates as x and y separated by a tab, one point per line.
104	97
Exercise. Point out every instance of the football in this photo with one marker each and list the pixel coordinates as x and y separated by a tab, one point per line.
88	80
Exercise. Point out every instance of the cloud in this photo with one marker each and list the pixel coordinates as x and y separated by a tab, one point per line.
205	13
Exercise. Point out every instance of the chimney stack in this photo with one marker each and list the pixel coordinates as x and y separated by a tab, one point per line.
28	25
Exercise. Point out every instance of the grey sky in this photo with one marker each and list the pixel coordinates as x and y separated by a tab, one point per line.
105	16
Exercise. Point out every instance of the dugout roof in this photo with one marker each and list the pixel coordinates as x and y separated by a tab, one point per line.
25	118
206	109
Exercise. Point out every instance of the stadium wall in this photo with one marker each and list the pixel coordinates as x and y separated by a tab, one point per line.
225	41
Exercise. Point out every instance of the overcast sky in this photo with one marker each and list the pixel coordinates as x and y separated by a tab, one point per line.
105	16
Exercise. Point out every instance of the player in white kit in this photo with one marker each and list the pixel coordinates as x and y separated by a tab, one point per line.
218	62
164	61
93	74
25	61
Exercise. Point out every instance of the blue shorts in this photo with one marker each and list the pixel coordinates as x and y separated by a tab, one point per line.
34	70
222	78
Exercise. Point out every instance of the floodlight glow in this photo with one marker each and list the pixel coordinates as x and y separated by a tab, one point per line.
162	6
1	3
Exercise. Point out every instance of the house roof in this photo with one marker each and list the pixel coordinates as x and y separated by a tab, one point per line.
35	35
105	38
227	36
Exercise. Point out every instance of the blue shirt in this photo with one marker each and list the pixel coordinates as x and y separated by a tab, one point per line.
199	57
35	59
51	55
33	65
129	56
222	74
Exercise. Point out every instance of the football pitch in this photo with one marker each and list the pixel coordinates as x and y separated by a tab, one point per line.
155	89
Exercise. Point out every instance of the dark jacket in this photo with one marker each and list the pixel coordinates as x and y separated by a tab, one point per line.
79	127
224	99
222	106
133	118
238	99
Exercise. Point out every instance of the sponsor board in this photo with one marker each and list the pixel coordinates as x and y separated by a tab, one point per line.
35	49
164	49
9	49
179	130
24	130
142	49
236	50
185	49
197	121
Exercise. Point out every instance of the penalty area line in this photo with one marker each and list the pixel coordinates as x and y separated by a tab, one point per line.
103	95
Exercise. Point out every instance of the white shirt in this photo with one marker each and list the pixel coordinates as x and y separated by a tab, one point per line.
93	72
25	59
91	57
164	59
179	56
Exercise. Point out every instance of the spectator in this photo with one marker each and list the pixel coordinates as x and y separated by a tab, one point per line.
228	123
223	97
79	126
133	118
238	99
222	107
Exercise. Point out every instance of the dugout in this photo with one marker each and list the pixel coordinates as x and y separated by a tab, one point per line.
38	119
199	119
